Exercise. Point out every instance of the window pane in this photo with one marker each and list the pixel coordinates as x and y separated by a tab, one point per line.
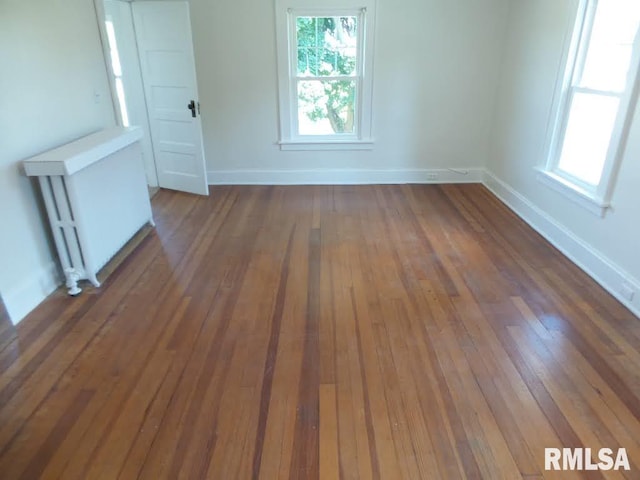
586	141
122	102
307	61
327	46
113	49
326	107
609	55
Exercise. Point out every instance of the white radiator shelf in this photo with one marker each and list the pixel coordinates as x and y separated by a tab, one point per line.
96	196
82	153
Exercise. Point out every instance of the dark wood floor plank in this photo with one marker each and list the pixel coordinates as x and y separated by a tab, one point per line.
317	332
270	360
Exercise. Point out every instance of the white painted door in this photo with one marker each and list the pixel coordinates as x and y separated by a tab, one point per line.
163	33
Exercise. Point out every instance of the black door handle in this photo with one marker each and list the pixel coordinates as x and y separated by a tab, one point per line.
192	106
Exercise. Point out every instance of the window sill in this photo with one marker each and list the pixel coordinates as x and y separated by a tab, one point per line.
578	195
326	145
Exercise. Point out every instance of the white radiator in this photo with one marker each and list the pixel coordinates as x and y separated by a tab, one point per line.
96	196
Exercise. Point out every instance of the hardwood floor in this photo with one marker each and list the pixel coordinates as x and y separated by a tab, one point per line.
394	332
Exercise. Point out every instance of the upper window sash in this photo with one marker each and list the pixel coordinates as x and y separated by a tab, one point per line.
294	14
584	25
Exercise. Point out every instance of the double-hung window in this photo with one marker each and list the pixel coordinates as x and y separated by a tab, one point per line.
594	113
324	73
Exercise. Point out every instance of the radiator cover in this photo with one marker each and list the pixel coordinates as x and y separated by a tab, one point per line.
96	196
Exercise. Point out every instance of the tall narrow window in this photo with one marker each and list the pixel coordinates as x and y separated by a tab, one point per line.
598	88
325	84
116	68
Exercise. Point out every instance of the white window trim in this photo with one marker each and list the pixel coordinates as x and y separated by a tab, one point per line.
596	199
573	192
286	11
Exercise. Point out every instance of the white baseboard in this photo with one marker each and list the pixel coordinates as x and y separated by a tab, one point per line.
20	299
608	274
344	176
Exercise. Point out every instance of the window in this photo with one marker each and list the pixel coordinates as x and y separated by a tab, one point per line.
116	68
597	90
324	70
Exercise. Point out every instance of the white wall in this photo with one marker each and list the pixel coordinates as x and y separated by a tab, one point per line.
52	65
606	247
435	78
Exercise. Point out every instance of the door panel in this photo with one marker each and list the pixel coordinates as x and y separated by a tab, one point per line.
163	31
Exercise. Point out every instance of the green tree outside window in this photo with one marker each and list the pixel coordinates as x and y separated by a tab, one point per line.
327	53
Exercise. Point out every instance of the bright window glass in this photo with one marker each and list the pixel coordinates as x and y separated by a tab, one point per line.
116	67
326	107
589	127
327	75
607	62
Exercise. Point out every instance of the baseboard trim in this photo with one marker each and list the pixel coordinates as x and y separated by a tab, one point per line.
22	298
344	176
608	274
